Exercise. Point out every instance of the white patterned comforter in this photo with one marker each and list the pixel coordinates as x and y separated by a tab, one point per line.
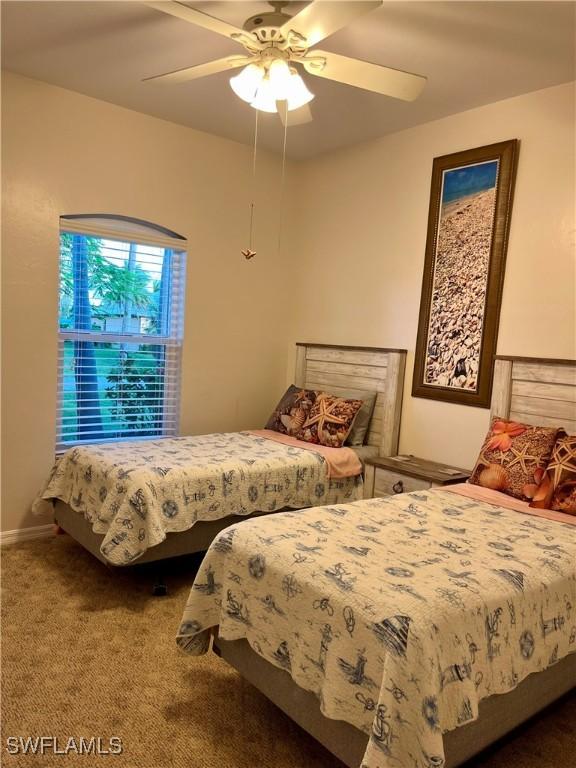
135	493
399	613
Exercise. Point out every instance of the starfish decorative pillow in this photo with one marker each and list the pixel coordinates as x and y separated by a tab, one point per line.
329	421
514	457
292	410
558	485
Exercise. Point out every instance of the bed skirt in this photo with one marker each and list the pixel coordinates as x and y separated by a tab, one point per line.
195	539
498	714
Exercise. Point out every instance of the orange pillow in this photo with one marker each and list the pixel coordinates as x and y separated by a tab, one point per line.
514	457
557	489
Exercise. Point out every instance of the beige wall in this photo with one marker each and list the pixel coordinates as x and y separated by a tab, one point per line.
67	153
361	237
350	271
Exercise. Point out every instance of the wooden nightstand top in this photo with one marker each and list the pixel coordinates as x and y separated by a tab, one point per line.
422	469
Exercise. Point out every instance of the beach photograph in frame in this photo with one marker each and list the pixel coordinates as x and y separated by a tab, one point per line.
468	222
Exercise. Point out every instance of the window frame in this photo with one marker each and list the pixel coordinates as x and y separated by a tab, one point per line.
136	231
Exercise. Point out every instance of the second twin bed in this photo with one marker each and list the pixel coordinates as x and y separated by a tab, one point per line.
411	631
142	501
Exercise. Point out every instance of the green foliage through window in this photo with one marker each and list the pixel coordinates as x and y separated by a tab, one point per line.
117	327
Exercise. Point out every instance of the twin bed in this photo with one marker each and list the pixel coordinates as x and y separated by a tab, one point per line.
144	501
409	631
398	614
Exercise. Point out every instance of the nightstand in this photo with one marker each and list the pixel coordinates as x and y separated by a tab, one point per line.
401	474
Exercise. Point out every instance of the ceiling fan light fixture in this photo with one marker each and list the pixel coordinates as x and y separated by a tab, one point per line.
265	99
280	75
281	83
247	83
287	85
298	93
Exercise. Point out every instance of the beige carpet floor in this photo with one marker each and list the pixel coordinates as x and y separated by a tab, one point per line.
89	652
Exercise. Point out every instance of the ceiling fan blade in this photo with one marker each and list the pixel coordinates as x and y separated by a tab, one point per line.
363	74
202	70
201	19
320	19
294	117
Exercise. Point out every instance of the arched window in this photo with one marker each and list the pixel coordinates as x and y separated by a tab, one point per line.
121	314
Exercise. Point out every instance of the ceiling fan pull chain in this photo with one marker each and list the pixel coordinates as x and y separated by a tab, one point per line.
283	178
249	253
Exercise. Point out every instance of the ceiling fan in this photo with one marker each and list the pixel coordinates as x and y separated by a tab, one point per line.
275	42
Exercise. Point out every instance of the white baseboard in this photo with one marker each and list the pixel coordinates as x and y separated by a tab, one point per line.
26	534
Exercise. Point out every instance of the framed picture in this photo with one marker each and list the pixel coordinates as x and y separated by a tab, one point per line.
468	222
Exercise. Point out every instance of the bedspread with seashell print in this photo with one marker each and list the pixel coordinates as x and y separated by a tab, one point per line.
399	613
136	492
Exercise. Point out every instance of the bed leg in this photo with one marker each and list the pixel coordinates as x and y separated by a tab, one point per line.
159	587
56	530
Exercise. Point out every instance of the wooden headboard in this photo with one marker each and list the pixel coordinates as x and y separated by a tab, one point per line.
356	371
536	391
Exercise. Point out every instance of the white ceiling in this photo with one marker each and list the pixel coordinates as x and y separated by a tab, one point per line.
473	53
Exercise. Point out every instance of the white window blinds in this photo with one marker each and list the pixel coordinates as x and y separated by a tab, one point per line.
121	315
